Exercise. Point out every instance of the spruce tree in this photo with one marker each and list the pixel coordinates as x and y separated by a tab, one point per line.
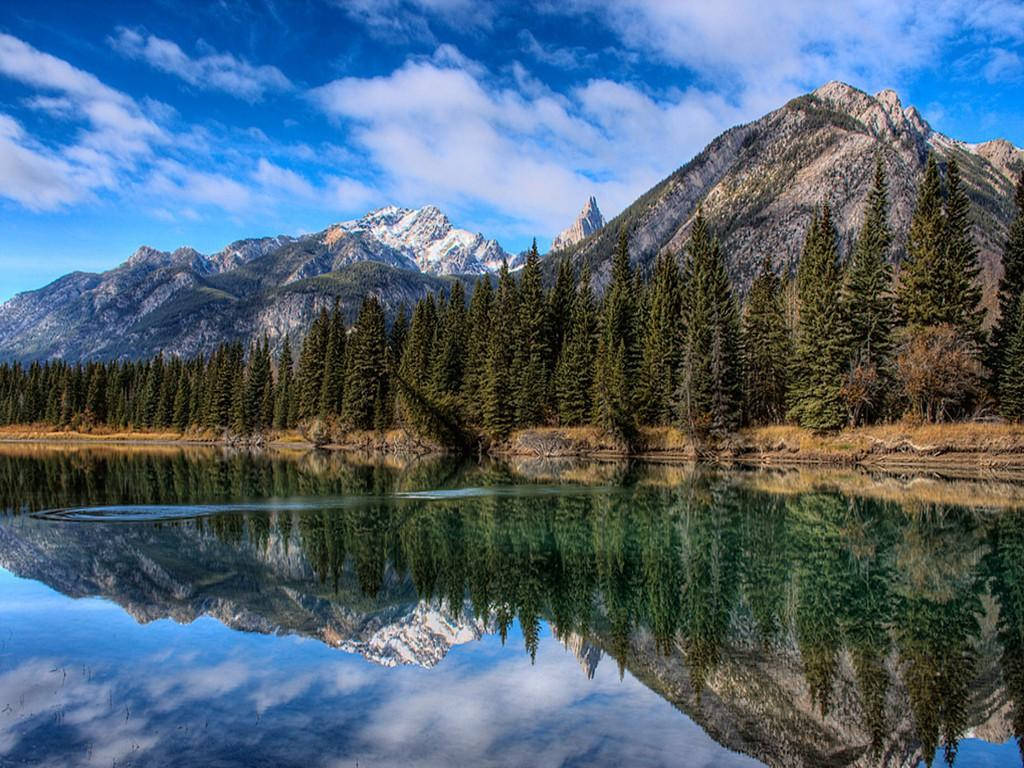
333	389
574	373
660	344
767	349
477	345
614	366
531	344
449	359
283	410
310	375
920	300
366	384
867	306
498	384
710	383
1011	288
559	311
1011	384
961	291
819	360
414	368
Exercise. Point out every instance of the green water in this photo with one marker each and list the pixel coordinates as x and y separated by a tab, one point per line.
539	613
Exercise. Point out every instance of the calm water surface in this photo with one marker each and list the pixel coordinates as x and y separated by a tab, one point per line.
204	608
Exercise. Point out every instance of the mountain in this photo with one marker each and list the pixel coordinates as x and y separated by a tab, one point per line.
184	302
759	183
587	223
429	240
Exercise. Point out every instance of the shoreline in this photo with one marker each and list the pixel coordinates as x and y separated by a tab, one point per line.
889	448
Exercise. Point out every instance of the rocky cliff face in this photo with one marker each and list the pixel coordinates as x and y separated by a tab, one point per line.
587	223
759	183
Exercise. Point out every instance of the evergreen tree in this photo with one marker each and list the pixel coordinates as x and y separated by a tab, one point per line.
614	365
531	344
961	291
449	359
310	375
919	297
819	360
660	345
767	349
710	394
477	345
867	307
366	385
498	384
1011	287
559	311
1011	382
332	392
415	365
283	408
574	373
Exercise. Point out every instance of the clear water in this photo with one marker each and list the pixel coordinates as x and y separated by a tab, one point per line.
204	608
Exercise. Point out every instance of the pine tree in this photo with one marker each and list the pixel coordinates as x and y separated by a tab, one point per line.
283	409
919	297
396	347
310	375
867	306
819	360
1011	288
961	291
559	311
574	373
614	366
710	383
415	365
767	349
477	344
498	384
1011	385
366	384
660	346
258	393
332	392
447	365
531	348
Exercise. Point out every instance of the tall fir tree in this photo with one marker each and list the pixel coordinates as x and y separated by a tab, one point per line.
559	311
710	384
868	306
819	359
332	391
309	377
449	359
1011	285
366	384
531	344
283	403
477	344
1011	288
961	291
574	372
414	368
614	366
767	349
919	297
1011	383
499	381
660	344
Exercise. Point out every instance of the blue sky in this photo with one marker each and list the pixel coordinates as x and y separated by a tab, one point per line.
171	124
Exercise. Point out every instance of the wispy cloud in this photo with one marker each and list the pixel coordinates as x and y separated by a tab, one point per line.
210	70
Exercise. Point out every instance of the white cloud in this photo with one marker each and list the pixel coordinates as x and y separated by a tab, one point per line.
452	135
281	179
31	176
1003	66
211	70
398	21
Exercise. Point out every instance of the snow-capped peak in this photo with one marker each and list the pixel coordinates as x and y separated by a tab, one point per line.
427	237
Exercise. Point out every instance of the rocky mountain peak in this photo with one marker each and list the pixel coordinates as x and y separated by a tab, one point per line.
589	221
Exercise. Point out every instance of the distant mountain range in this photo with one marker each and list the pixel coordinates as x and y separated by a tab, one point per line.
758	184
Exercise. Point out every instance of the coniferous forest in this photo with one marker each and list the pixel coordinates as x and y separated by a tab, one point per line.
847	340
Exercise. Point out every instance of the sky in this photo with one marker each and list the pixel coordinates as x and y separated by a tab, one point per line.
171	124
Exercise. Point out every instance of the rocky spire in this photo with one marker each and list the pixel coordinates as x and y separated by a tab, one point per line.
589	221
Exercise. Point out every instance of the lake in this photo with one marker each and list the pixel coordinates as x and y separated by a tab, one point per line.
186	606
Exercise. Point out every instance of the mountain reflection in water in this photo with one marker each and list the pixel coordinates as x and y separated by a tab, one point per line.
798	619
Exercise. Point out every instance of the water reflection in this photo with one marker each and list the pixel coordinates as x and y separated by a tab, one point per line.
797	625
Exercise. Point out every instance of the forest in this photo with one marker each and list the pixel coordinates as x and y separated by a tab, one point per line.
847	340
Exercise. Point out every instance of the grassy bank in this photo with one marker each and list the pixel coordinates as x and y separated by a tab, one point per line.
890	446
